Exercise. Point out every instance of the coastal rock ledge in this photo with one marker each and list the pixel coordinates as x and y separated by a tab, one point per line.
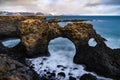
35	34
11	69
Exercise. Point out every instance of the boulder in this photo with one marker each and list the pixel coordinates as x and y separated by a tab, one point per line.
72	78
88	77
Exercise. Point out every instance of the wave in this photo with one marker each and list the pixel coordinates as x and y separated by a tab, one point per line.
113	43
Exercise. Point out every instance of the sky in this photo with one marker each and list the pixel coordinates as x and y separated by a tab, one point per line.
63	7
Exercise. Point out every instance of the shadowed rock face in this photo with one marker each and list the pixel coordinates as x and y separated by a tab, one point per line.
88	77
13	70
36	33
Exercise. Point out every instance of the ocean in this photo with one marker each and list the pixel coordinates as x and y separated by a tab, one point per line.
107	26
62	50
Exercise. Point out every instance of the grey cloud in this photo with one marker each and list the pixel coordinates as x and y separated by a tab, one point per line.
103	2
114	2
59	6
3	1
16	2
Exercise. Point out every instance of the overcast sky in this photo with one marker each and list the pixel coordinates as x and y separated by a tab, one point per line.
59	7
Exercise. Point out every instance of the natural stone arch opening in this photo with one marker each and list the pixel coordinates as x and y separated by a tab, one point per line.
37	36
10	43
62	46
92	42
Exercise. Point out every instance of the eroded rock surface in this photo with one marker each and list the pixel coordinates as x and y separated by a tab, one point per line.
96	58
9	25
80	33
101	59
88	77
36	33
13	70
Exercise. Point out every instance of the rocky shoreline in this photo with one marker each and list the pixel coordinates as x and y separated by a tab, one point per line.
35	34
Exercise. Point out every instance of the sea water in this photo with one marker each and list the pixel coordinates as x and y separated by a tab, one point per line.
62	50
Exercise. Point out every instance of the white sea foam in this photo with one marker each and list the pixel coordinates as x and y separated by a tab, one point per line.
62	52
113	42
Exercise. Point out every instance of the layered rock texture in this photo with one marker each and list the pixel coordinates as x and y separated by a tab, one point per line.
36	33
9	25
13	70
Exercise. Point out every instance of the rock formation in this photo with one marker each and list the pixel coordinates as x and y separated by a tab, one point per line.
88	77
13	70
36	33
9	25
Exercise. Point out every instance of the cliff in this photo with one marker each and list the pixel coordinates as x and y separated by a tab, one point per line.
35	34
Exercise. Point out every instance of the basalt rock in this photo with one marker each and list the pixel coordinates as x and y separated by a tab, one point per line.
88	77
36	36
80	33
100	59
9	25
13	70
36	33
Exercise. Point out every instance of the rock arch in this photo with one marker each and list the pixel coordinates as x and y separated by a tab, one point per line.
36	34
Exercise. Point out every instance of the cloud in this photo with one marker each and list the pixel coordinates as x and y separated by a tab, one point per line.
106	2
113	2
85	7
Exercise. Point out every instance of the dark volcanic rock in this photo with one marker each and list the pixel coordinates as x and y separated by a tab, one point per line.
9	25
36	33
100	59
80	33
72	78
13	70
17	52
2	48
61	75
88	77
